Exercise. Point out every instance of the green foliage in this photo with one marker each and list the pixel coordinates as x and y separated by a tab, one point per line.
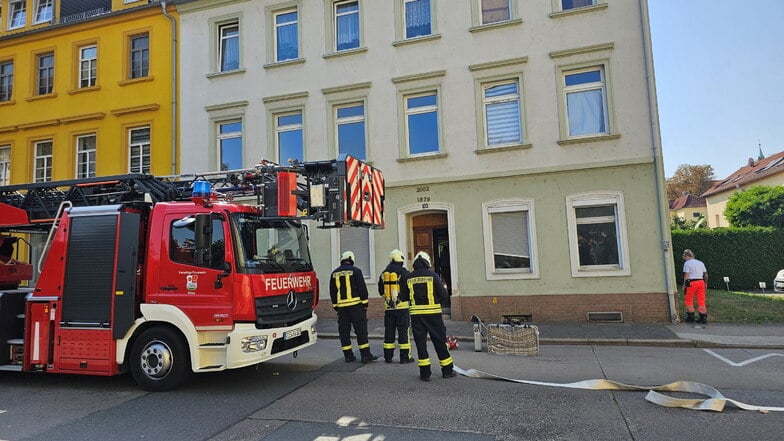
746	255
681	224
760	205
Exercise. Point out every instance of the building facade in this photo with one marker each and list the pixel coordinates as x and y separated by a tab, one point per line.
86	89
519	139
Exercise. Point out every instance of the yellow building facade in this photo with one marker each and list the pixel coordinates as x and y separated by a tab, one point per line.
88	92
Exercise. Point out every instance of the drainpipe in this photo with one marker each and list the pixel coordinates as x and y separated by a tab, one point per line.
173	89
658	166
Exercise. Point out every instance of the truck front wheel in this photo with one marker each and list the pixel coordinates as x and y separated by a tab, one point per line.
159	360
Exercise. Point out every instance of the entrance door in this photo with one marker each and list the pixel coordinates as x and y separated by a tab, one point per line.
431	235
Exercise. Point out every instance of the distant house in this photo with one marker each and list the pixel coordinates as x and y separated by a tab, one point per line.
688	207
764	171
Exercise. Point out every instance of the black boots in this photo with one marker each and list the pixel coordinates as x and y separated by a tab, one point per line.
388	354
689	317
367	357
703	320
448	371
349	356
405	357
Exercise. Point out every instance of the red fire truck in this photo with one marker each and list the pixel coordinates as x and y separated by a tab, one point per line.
167	276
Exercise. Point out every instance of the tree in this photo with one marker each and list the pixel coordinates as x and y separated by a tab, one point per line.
691	179
760	205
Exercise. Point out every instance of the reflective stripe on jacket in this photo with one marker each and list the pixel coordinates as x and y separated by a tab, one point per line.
347	287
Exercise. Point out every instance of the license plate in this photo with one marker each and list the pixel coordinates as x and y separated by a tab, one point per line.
294	333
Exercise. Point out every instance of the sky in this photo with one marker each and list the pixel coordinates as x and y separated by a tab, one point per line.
719	80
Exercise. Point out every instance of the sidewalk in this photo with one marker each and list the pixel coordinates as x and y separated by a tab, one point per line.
716	335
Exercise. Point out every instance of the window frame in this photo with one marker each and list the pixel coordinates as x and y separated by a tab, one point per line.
42	6
279	129
477	18
8	80
603	65
509	205
228	136
408	113
404	18
5	164
92	79
18	16
85	157
338	244
597	199
144	53
275	26
45	159
140	145
486	84
337	122
48	88
220	26
560	11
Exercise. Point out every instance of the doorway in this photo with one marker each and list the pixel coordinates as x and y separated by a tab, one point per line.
430	233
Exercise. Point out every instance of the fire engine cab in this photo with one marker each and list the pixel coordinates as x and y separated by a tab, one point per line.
163	277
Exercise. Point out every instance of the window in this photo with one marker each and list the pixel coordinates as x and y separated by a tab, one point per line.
45	74
288	136
230	145
5	165
572	4
347	30
140	56
358	240
17	14
422	123
6	80
43	12
501	104
139	150
182	243
286	35
597	234
88	62
494	11
85	156
510	244
43	161
585	96
228	46
417	18
350	128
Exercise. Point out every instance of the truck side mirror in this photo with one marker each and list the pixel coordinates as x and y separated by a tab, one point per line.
203	237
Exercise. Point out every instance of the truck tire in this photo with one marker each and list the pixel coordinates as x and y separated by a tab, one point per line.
159	360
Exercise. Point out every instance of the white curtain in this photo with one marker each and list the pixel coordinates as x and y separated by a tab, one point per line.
586	112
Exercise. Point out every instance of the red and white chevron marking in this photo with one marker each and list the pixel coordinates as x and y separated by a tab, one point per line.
378	194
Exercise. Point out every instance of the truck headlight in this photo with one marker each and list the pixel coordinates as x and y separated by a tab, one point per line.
254	343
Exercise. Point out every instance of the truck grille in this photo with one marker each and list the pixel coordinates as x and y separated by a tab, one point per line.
275	312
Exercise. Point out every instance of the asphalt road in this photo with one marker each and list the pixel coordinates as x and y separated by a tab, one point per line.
318	397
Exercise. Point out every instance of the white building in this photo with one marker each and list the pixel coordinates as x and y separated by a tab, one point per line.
520	135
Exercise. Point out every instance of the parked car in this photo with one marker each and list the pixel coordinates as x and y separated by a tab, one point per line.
778	282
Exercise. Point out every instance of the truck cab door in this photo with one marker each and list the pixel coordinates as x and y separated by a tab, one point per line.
195	269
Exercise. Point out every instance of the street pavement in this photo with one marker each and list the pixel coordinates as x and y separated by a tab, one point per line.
712	335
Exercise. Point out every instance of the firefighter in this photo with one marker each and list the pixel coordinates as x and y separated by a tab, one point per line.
424	291
350	299
396	316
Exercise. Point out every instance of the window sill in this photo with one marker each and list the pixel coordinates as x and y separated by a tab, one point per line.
83	90
587	139
491	26
30	99
575	11
285	63
347	52
7	103
226	73
424	157
506	148
415	40
521	275
135	81
601	272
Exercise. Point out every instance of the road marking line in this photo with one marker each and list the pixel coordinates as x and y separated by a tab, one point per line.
742	363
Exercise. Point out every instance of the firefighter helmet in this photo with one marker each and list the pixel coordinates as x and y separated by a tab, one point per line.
347	255
424	256
396	255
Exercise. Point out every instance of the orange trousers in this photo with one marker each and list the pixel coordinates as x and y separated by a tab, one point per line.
695	288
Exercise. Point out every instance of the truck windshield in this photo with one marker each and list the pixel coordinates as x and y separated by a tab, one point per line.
271	246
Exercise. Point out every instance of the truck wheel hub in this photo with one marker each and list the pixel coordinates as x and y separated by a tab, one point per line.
156	359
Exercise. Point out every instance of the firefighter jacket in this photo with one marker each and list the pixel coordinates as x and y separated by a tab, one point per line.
423	289
347	287
389	285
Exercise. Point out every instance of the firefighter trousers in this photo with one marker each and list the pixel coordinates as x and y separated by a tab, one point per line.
353	316
397	321
423	325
